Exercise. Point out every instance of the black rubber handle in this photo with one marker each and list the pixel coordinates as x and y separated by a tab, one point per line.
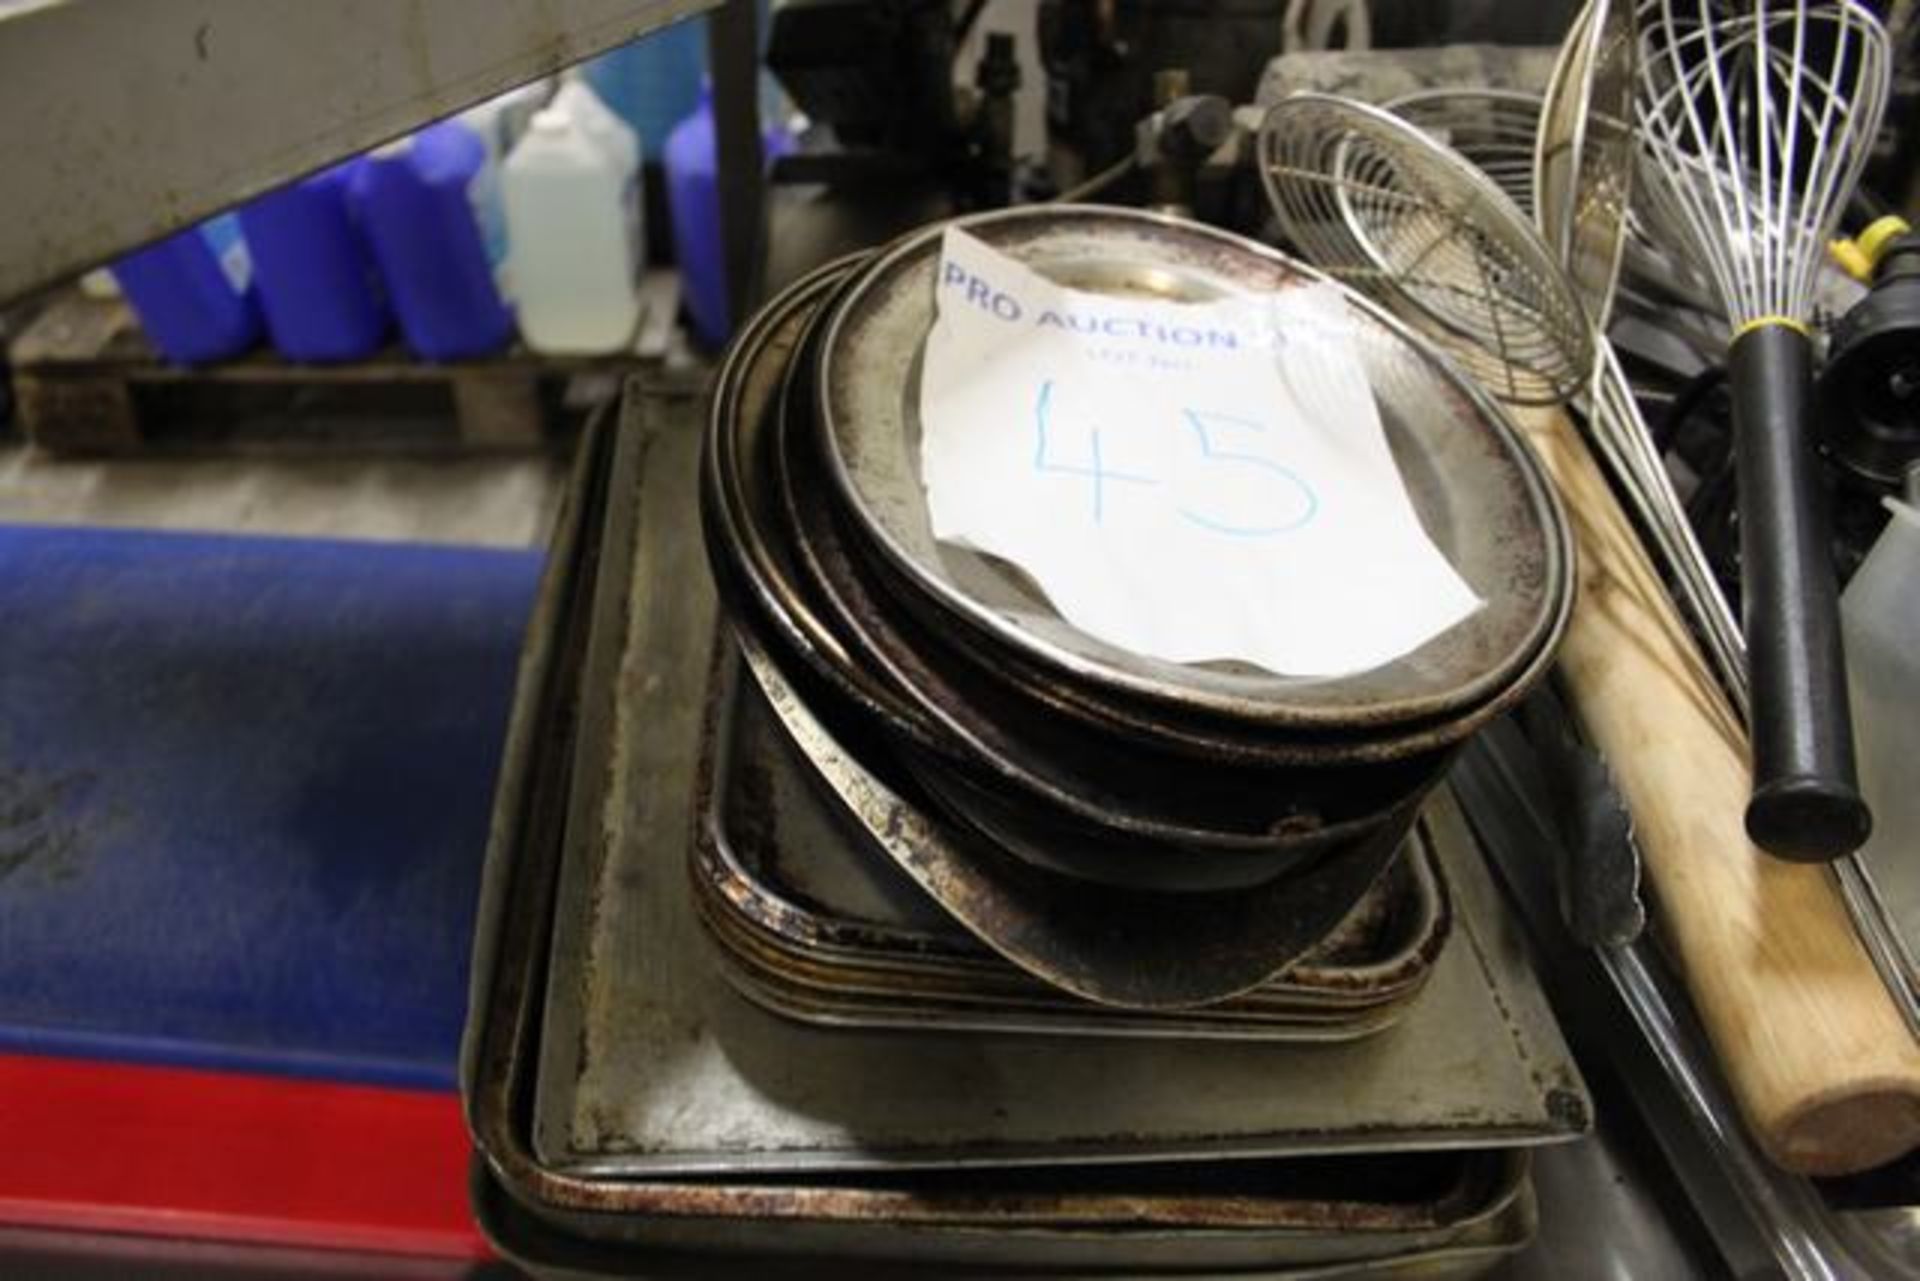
1806	802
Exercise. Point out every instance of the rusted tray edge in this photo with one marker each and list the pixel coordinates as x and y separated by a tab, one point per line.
907	257
541	1244
862	988
804	1006
509	980
785	922
538	724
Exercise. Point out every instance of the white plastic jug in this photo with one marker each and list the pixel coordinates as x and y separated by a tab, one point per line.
604	125
601	122
1880	618
571	220
501	119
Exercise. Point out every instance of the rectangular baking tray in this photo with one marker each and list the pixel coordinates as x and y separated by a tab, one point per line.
1430	1214
810	920
651	1065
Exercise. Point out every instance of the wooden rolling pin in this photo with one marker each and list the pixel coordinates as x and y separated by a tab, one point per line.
1818	1056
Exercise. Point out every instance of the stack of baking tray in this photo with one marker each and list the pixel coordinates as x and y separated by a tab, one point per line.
1141	834
636	1115
814	926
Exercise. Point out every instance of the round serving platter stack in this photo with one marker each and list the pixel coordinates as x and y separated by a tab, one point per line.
1110	839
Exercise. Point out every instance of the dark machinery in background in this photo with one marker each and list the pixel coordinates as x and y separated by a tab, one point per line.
1101	56
1869	415
1139	98
879	75
1896	157
1871	385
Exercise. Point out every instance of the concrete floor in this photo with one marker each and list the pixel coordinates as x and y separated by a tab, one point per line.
504	501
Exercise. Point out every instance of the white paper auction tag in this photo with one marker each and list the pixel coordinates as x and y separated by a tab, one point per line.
1190	481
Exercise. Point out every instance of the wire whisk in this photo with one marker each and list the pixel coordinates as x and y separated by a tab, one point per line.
1755	122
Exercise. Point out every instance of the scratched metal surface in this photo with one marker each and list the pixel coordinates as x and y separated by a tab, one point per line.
1404	1214
1477	491
766	812
792	866
150	116
555	1248
579	1226
650	1063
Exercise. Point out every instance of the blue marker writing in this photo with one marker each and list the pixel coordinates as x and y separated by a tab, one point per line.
1042	413
1309	500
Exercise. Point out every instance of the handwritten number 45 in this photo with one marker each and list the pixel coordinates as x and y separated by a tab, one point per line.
1229	492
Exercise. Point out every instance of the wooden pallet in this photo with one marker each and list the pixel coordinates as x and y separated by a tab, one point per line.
87	381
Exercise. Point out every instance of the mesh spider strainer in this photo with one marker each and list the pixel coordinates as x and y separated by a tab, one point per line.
1387	208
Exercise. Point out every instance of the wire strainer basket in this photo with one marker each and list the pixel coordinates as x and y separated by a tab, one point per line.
1375	201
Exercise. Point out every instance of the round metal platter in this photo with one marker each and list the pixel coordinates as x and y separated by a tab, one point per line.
1059	848
1226	742
1478	493
1114	946
753	568
775	889
1183	810
772	590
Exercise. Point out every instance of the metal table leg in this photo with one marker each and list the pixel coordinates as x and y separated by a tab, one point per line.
733	61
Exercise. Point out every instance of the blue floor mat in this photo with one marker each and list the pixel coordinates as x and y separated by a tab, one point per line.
244	796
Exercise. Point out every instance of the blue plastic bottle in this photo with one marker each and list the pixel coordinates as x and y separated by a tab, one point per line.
194	293
693	202
422	205
653	82
318	285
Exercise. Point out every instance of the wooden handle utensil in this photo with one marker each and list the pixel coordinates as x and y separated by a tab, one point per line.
1818	1056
